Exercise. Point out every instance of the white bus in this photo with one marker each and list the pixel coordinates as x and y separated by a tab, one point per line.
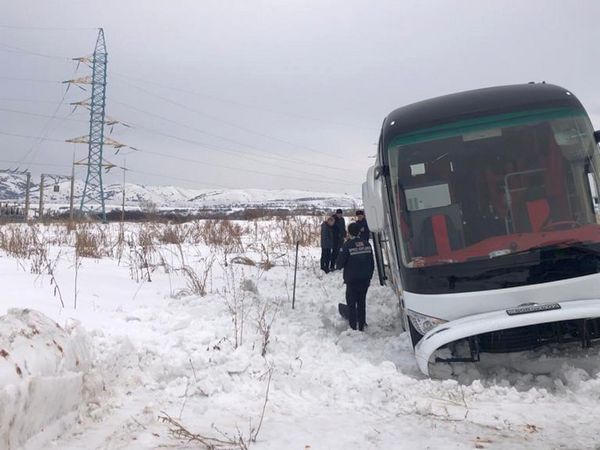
483	211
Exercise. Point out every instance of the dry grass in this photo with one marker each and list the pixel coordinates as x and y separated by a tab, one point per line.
223	233
91	243
147	247
305	230
173	234
17	241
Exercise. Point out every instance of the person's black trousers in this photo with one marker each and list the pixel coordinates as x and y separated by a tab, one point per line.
334	255
356	294
326	259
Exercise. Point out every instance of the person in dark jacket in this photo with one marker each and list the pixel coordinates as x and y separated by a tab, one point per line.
339	233
356	258
327	231
364	233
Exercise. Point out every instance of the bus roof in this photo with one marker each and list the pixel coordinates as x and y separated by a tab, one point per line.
476	103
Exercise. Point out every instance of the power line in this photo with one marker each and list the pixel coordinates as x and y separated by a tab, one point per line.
27	113
15	49
28	136
268	155
26	100
244	105
19	50
217	136
336	180
9	161
170	157
189	141
159	175
45	130
185	159
32	80
21	27
231	124
206	146
233	151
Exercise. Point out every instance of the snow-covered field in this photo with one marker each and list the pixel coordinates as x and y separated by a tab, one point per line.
176	337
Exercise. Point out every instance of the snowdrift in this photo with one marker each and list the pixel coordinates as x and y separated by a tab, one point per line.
42	374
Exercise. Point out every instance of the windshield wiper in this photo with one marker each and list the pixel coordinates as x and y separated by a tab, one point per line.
574	244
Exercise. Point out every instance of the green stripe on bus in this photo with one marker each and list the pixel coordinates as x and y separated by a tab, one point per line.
484	123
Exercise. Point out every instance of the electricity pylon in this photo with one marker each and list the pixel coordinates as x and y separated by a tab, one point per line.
93	191
92	199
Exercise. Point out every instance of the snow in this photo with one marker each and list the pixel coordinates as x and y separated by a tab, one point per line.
42	370
149	349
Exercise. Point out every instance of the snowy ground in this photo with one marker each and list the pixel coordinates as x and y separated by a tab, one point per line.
148	349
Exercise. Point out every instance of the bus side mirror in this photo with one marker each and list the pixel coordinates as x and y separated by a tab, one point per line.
597	136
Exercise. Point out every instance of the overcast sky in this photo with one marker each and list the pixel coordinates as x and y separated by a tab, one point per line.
269	93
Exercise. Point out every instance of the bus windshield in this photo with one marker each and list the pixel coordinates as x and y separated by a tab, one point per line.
493	186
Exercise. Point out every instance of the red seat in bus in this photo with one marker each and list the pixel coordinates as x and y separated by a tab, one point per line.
440	235
436	231
539	214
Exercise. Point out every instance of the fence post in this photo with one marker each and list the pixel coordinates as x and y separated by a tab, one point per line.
27	196
41	207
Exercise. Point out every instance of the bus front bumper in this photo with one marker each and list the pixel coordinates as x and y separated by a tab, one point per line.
478	324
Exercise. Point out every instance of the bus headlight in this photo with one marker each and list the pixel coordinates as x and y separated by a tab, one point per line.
423	323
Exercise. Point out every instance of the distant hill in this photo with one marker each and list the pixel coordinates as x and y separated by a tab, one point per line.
167	198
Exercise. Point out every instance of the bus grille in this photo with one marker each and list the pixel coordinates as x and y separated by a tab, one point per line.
533	336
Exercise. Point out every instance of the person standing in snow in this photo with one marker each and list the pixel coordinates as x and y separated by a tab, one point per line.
364	233
339	233
356	258
327	243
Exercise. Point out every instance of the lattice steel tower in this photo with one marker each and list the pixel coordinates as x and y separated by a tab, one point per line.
93	191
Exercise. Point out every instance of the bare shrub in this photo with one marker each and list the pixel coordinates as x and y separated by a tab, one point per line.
224	441
179	431
50	266
266	263
269	253
196	279
17	241
195	234
142	251
42	263
304	230
38	258
266	312
76	266
173	234
120	243
59	234
88	244
147	236
235	301
223	233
